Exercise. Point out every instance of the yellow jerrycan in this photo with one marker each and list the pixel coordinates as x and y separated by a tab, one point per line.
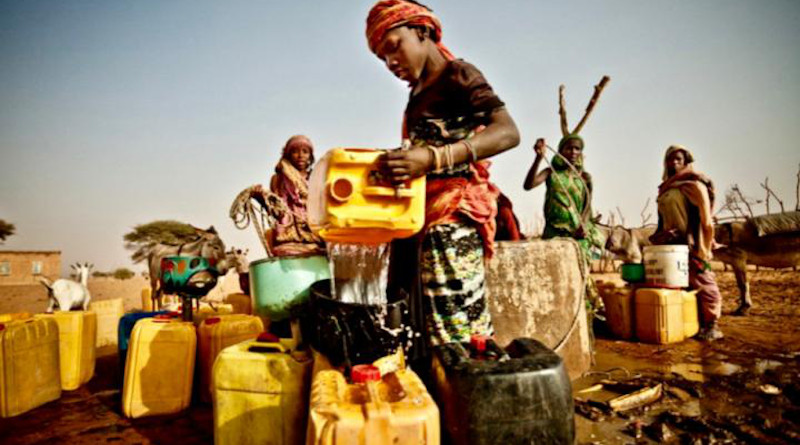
217	333
15	316
393	409
241	303
691	321
108	313
77	346
659	315
29	365
350	201
208	311
260	392
159	368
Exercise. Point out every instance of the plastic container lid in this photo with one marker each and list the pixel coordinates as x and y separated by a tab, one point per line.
267	337
365	373
478	342
2	326
213	320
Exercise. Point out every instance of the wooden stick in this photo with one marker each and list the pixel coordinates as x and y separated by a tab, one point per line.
598	89
636	399
562	111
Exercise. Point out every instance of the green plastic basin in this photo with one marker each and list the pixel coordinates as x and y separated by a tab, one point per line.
633	272
279	283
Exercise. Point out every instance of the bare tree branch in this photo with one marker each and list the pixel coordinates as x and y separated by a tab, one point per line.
645	218
621	218
766	187
797	190
736	190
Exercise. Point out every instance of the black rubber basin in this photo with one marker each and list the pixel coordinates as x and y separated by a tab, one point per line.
351	334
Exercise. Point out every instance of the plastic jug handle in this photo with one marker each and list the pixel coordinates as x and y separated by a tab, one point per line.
395	192
267	347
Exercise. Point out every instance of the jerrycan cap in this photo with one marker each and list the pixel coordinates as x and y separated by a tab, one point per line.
2	326
213	320
365	373
478	342
268	337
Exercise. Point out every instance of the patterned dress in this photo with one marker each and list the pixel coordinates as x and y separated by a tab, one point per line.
565	201
455	240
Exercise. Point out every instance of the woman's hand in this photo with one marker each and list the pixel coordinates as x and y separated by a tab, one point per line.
403	165
538	147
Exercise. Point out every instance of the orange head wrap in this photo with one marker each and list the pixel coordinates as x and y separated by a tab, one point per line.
389	14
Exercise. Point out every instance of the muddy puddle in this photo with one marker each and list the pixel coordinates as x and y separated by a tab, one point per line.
706	398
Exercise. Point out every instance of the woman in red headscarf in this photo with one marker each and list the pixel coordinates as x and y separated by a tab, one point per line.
452	122
292	235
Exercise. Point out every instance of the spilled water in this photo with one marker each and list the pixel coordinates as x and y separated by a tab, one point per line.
359	272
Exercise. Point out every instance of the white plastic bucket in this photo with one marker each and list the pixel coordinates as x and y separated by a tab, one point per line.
667	266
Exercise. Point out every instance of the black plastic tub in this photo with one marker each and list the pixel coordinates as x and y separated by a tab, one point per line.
350	334
523	400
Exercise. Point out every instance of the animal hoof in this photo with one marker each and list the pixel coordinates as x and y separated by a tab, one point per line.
742	311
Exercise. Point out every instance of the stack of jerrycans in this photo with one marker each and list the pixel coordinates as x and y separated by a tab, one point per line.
29	365
77	346
374	409
517	395
108	313
217	333
260	392
665	315
159	368
124	330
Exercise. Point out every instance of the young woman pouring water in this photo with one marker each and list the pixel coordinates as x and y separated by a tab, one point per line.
452	122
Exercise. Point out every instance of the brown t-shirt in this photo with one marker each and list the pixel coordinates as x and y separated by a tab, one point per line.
452	107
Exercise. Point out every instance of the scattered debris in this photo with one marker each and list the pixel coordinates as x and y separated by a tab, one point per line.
660	432
642	397
770	389
634	429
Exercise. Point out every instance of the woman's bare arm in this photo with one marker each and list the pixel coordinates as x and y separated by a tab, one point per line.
535	177
499	135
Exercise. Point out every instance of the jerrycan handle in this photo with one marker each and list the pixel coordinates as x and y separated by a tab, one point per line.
267	342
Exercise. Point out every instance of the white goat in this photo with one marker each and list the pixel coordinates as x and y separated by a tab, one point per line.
68	294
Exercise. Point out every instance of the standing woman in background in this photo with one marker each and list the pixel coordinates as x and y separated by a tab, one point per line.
685	200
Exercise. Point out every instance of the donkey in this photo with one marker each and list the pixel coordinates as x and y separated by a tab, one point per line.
207	244
739	245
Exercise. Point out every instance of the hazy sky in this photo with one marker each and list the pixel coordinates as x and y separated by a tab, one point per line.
115	113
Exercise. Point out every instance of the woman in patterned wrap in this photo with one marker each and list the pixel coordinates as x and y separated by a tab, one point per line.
567	204
292	235
452	122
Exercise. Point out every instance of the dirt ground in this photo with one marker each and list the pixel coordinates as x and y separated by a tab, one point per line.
744	388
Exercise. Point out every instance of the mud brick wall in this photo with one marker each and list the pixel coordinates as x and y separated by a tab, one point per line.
16	267
535	290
